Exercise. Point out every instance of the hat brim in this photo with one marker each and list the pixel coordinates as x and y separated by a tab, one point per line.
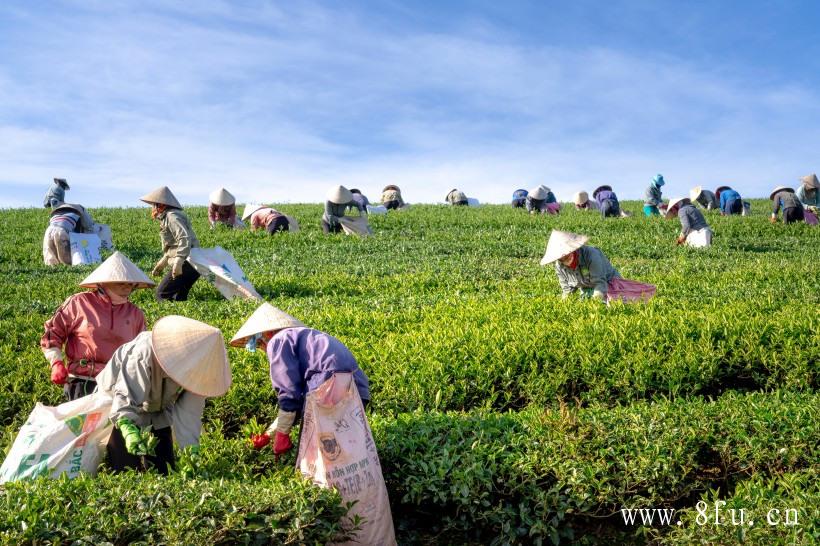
780	189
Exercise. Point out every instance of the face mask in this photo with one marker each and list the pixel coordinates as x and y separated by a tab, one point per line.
252	342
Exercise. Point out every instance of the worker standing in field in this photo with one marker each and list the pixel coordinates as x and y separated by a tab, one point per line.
695	231
705	198
391	197
653	198
541	200
339	199
178	238
222	209
586	269
56	193
809	192
519	199
161	379
65	218
784	198
730	201
88	327
456	198
607	201
267	218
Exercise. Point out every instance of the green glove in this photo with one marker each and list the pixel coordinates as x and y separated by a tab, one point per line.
134	443
587	293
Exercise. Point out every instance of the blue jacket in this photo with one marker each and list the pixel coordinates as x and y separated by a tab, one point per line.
726	196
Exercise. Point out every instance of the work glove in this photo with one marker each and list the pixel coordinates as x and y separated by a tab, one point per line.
281	444
176	267
680	240
260	440
134	443
160	267
59	374
773	219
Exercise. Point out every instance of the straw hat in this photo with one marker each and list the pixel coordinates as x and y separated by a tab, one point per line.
68	207
695	192
778	189
339	195
392	187
671	210
810	180
562	243
580	198
161	196
117	268
221	197
266	318
599	189
250	208
62	182
538	193
193	354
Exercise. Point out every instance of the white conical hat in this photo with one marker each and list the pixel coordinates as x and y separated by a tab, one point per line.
580	198
250	208
673	204
695	192
266	318
539	193
778	189
339	195
117	268
221	197
163	196
810	180
562	243
193	354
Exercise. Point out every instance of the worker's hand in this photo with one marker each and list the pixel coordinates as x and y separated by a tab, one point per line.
260	440
176	268
773	219
134	443
160	267
59	374
680	240
281	444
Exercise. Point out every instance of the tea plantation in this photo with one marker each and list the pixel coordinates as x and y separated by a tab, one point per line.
502	414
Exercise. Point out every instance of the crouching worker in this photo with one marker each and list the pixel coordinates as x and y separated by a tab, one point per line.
784	198
161	380
92	325
222	209
694	229
66	218
586	268
267	218
519	199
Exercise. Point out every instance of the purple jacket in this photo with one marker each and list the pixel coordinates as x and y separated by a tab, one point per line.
301	359
603	195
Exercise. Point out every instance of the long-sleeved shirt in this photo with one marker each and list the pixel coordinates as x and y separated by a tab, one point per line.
550	198
539	205
519	194
178	237
301	359
72	221
90	328
594	271
264	216
392	195
143	393
359	202
691	219
55	196
224	214
708	200
809	197
652	196
785	200
334	211
726	196
603	195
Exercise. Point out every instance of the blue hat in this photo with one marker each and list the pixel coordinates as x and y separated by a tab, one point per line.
658	180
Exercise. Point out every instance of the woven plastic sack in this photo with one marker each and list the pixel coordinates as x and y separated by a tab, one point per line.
85	248
624	290
356	225
220	268
104	233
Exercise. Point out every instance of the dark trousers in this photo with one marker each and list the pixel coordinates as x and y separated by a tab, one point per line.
279	223
793	214
610	207
77	388
461	203
390	205
120	460
518	203
177	289
734	206
327	228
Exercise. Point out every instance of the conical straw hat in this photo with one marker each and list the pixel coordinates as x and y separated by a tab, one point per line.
193	354
599	189
117	268
580	198
778	189
339	195
562	243
250	208
266	318
390	187
221	197
162	196
674	204
810	180
538	193
695	192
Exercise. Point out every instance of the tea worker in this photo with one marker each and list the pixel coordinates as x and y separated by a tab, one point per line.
178	238
161	379
705	198
222	208
456	198
300	359
391	197
586	268
55	196
267	218
653	198
89	326
607	201
809	192
694	231
730	201
360	201
338	200
541	200
65	218
519	199
583	202
784	198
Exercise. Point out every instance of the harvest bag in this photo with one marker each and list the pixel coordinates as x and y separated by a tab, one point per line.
337	450
104	233
68	438
553	208
85	248
293	225
218	266
700	238
376	209
625	290
355	225
810	218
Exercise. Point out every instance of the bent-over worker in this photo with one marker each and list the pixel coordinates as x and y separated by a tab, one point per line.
694	231
65	218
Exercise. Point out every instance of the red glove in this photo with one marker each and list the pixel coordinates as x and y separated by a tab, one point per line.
260	440
281	444
58	373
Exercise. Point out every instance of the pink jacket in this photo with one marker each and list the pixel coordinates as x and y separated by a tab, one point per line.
262	217
91	329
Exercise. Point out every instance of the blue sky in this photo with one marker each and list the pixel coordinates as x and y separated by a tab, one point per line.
277	101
